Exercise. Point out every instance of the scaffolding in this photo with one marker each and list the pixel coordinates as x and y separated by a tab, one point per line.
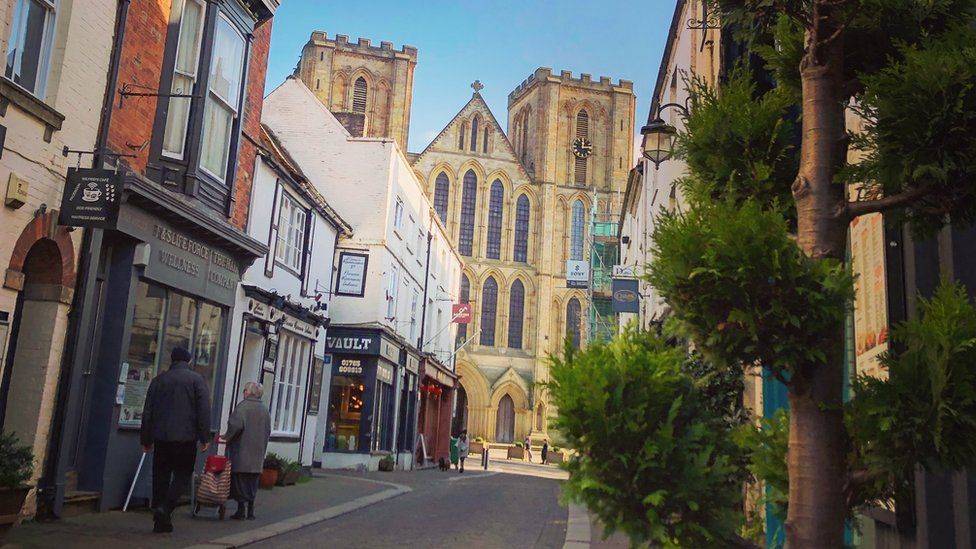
604	249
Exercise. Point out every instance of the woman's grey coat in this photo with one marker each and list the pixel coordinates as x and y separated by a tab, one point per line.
248	431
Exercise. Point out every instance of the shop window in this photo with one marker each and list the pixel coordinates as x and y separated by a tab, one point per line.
345	412
495	213
289	250
288	402
29	49
162	320
441	195
469	190
223	98
382	428
184	77
521	252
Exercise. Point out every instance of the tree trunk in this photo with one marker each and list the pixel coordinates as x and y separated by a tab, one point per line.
818	442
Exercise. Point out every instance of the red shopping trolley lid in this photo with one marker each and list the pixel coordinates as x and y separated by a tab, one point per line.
215	464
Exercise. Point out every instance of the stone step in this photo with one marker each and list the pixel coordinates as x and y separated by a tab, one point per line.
78	502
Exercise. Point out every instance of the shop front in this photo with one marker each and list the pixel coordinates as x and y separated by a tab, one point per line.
164	275
362	412
276	345
437	388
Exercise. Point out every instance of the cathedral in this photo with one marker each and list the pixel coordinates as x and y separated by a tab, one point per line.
519	204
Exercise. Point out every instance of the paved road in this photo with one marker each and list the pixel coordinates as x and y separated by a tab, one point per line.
448	510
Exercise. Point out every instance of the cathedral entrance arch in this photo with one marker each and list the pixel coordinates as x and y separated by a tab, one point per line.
460	421
505	420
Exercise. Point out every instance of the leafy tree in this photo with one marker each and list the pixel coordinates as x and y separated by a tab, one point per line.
655	455
907	66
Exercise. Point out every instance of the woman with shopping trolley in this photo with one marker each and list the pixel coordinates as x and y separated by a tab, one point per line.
248	431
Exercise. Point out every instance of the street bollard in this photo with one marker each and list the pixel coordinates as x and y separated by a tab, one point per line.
484	456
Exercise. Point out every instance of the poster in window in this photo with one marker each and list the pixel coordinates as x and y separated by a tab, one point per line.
352	274
870	298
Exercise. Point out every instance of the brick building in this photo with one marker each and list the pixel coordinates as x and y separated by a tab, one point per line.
175	162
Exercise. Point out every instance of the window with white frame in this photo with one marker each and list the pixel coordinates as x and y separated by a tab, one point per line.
29	49
420	244
288	401
223	98
414	300
289	250
184	76
391	292
398	214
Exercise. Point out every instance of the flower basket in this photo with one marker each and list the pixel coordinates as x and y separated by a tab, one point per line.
16	468
555	458
386	464
268	478
476	447
516	452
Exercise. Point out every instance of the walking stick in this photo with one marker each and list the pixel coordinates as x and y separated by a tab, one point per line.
133	487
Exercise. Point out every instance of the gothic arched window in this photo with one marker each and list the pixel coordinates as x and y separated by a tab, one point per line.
464	296
495	210
521	252
441	196
474	133
469	190
359	92
576	231
489	306
484	142
516	308
573	320
582	132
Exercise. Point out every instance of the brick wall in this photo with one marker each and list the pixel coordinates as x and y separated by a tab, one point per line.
251	125
141	66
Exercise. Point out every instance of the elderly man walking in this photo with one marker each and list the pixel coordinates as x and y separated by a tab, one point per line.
248	431
175	418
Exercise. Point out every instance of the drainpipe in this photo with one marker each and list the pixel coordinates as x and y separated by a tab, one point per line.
56	464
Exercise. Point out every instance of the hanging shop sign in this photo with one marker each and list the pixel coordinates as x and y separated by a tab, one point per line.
91	199
461	313
413	363
626	295
625	271
870	296
351	280
577	274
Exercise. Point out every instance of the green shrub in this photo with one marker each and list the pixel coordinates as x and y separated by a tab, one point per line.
653	459
519	445
479	439
16	462
274	461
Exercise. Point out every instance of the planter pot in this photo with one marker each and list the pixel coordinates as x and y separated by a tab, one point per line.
514	452
288	478
11	500
386	465
476	448
269	477
556	457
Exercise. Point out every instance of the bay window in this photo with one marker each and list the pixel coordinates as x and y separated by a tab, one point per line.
223	98
184	76
29	49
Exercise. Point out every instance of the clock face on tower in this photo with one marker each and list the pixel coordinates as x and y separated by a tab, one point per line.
582	147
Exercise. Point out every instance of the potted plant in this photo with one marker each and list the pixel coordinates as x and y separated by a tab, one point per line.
477	446
516	451
556	455
289	473
271	471
16	468
386	464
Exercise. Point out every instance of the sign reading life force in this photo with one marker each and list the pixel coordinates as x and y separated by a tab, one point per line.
90	199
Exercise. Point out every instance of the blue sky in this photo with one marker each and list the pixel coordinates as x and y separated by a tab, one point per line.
498	42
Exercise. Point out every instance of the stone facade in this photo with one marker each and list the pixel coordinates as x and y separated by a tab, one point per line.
539	166
336	70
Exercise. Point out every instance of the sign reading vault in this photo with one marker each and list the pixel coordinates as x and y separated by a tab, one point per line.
90	199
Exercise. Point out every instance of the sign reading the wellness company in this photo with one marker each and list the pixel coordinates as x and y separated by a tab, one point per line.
181	261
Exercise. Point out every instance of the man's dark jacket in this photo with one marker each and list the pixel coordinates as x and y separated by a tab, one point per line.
177	407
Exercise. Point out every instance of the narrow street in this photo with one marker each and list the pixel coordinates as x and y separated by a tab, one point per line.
476	509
